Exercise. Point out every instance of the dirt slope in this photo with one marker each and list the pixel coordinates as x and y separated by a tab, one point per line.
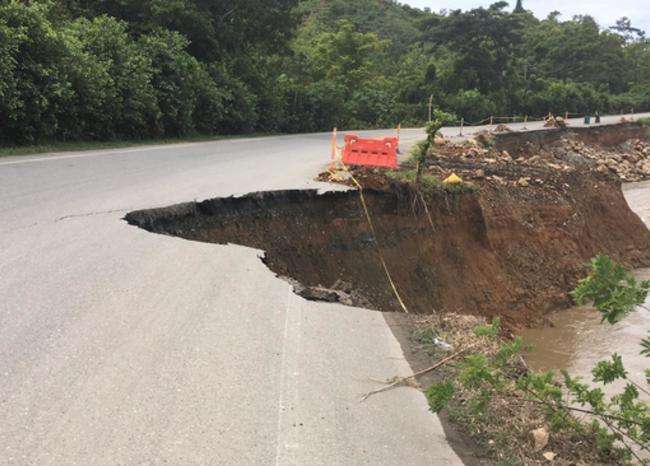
497	250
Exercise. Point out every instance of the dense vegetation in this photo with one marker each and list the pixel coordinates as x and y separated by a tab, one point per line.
490	388
104	69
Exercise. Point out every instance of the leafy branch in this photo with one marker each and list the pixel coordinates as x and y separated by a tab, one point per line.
620	419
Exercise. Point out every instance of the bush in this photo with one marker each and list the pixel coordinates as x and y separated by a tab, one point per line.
487	378
637	98
35	80
443	118
240	112
471	105
188	98
558	97
117	98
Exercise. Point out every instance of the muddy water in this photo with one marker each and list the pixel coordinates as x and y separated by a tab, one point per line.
577	339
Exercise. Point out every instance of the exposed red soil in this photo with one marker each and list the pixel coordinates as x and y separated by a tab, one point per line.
515	252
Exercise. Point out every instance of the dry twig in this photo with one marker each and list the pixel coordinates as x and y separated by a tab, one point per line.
402	380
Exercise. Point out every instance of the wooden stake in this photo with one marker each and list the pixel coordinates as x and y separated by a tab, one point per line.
333	154
399	130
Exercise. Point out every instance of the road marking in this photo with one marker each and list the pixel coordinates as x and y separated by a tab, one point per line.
105	152
97	153
288	376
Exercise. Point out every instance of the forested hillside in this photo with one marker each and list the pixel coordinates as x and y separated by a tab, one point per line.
105	69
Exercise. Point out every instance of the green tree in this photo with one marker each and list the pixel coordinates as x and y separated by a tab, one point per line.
471	105
187	96
482	42
37	88
349	61
579	51
117	96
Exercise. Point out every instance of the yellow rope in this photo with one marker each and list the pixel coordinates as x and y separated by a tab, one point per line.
374	233
372	229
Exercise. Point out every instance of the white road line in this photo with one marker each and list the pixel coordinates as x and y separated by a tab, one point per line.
104	152
54	157
288	376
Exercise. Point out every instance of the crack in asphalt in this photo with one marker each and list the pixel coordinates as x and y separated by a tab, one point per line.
64	217
90	214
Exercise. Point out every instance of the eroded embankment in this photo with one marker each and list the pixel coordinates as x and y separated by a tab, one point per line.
530	142
492	251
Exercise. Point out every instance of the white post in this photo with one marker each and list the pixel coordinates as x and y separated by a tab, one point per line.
333	154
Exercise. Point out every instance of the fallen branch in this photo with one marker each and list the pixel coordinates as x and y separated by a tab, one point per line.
401	380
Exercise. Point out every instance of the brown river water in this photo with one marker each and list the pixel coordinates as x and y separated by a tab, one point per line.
578	339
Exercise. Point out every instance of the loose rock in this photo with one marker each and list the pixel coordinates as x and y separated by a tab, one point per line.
540	438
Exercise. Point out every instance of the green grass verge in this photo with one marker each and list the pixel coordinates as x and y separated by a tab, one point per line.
73	146
428	183
645	122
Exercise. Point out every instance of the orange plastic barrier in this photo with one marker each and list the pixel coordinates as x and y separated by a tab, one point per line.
370	152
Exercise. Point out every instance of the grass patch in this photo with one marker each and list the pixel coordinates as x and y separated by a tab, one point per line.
428	183
646	123
74	146
408	176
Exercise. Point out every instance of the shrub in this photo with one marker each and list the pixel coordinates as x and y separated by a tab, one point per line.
36	82
471	105
188	98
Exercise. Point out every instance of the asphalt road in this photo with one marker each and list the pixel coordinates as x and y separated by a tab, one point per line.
118	346
455	133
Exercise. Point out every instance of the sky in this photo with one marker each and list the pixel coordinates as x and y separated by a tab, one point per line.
606	12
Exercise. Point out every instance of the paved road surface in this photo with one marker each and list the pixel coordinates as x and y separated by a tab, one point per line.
454	133
118	346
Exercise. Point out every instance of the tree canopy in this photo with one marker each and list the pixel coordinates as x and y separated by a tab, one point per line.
102	69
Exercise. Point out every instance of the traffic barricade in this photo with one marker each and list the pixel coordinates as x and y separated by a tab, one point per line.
370	152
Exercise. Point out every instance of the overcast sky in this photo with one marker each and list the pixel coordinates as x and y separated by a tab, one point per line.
606	12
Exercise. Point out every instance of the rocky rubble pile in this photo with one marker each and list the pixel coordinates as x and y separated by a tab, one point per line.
477	159
474	161
630	160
